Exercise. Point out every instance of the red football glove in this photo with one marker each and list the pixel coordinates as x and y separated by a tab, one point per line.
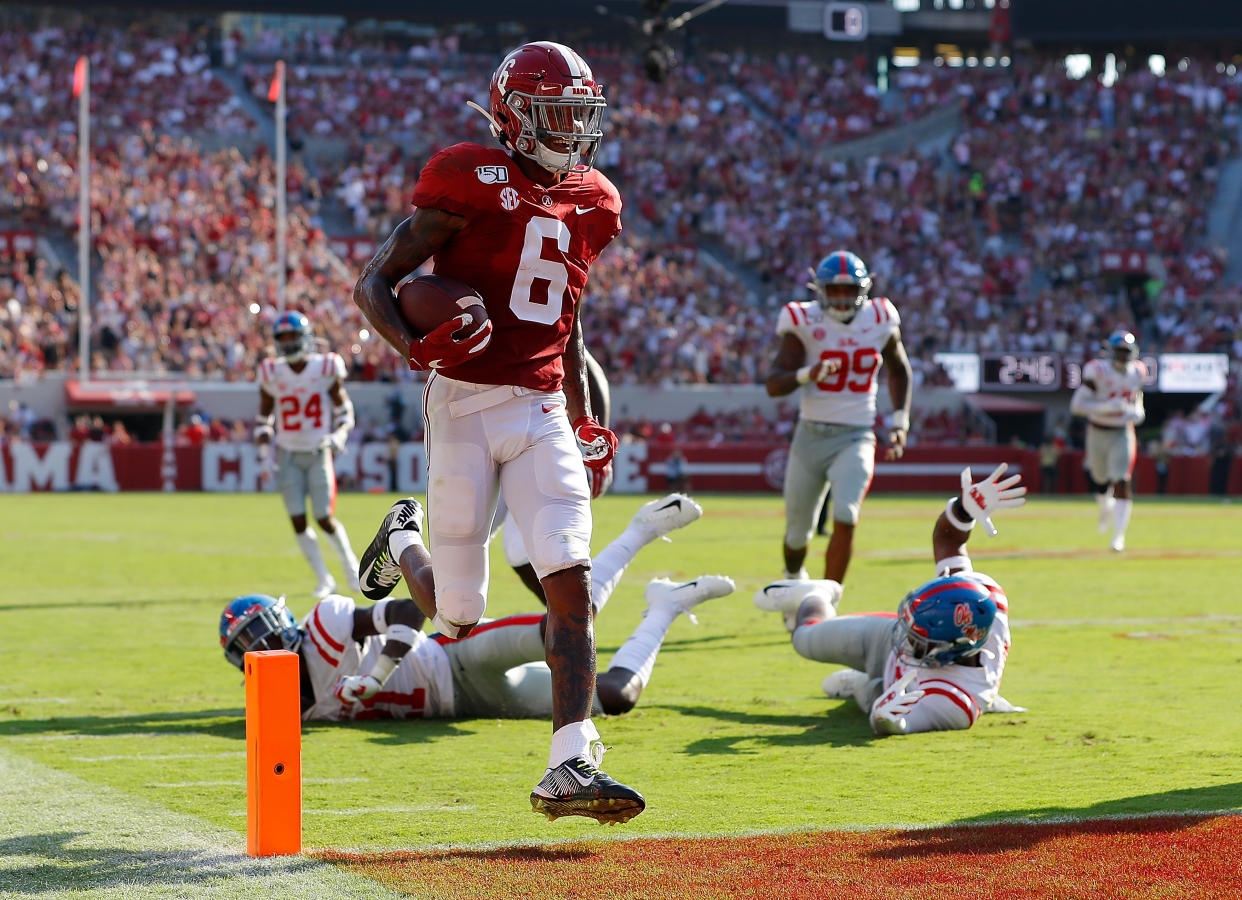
440	349
600	480
597	443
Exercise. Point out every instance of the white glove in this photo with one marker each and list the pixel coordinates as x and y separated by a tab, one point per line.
982	499
336	440
356	688
888	713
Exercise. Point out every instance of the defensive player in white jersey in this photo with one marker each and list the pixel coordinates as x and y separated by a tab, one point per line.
303	405
937	664
831	351
375	662
1111	398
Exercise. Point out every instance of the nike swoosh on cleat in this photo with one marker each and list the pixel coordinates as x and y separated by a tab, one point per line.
688	584
771	587
671	503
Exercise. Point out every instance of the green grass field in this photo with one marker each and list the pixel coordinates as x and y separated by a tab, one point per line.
122	738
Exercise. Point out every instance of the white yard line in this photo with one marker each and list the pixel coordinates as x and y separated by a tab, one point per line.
1160	620
238	781
158	756
68	839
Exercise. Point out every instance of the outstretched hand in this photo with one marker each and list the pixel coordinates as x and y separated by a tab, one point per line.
983	498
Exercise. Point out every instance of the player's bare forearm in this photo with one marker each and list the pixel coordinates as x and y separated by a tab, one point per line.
411	244
783	375
947	539
577	398
899	373
899	392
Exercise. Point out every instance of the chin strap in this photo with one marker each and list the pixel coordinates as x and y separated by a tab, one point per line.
496	129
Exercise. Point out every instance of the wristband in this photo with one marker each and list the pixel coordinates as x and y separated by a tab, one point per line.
384	666
901	419
953	519
403	634
263	426
803	375
953	564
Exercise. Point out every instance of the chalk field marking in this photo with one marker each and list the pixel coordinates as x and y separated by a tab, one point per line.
240	782
159	756
369	810
1165	620
130	847
38	700
98	737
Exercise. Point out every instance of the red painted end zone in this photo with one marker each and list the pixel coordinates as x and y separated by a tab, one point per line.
1183	857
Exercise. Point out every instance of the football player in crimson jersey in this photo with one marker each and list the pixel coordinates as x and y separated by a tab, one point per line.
937	664
305	409
1111	398
506	406
831	351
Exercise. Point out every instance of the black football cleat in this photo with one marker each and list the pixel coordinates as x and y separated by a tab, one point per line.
378	573
578	788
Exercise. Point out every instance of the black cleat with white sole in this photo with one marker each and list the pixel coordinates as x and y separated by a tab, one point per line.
578	788
378	573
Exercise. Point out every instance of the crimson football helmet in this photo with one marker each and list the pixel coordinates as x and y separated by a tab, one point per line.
546	105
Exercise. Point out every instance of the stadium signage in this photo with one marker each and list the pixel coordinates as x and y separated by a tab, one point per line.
1193	373
1020	371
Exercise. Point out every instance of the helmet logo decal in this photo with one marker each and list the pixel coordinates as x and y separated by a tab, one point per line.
962	615
502	77
509	199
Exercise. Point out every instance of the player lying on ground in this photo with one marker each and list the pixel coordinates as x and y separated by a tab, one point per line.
374	662
936	664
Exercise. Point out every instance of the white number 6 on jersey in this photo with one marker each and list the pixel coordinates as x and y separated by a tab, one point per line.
533	265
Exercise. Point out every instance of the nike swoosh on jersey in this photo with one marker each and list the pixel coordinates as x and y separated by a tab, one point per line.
548	407
583	210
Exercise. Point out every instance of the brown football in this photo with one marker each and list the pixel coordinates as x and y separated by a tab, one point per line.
428	301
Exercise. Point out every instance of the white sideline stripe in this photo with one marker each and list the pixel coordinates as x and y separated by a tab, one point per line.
156	756
129	847
239	781
38	700
703	468
1164	620
130	735
904	468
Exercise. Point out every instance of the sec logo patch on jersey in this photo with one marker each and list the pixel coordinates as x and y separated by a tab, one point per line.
509	199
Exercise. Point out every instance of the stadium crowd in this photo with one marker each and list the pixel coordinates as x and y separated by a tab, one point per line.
729	168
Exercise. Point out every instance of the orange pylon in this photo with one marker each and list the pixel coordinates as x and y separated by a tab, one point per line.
273	754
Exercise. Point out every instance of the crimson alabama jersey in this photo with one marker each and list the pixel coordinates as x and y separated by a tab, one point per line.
954	696
1110	384
848	397
420	687
526	249
303	407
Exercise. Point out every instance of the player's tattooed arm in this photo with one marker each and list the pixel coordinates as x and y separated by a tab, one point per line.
577	397
411	244
899	391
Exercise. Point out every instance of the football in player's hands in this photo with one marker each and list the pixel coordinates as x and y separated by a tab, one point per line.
428	301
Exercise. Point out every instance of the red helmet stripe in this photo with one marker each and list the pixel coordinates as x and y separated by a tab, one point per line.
947	586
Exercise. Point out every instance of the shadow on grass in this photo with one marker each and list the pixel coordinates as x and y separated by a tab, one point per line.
1145	814
843	725
74	869
221	723
225	723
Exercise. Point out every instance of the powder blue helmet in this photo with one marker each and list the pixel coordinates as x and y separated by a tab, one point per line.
292	332
257	622
944	620
841	282
1122	346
